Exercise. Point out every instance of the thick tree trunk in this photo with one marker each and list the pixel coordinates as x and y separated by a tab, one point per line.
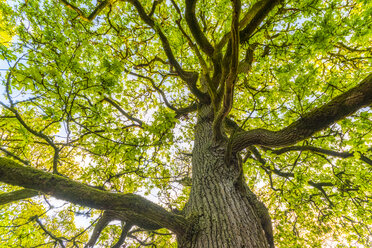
223	212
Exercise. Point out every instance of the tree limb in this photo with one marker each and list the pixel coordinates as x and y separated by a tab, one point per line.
195	29
247	20
78	193
320	150
39	134
318	185
14	156
123	112
258	13
57	239
189	77
100	225
81	14
231	78
124	231
17	195
316	120
181	111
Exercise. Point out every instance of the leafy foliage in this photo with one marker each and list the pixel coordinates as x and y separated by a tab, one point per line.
99	102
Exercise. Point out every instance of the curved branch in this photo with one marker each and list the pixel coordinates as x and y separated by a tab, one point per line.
184	111
195	29
81	14
50	234
230	81
269	170
124	232
315	121
66	189
179	112
322	151
39	134
246	21
101	224
17	195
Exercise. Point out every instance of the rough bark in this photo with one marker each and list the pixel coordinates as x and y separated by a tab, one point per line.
134	207
224	213
320	118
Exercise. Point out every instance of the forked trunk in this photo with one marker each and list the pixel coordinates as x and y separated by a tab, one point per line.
224	212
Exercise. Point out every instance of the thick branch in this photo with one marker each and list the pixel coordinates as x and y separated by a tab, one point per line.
230	81
247	20
78	193
100	225
315	121
257	14
195	29
184	111
313	149
124	231
17	195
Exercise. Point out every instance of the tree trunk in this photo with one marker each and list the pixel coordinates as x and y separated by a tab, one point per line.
223	212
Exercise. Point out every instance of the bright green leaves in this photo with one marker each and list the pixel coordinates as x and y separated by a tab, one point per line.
7	24
305	54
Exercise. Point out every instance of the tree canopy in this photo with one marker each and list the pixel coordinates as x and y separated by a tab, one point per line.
100	100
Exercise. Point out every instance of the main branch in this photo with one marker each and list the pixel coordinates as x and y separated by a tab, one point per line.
231	78
78	193
315	121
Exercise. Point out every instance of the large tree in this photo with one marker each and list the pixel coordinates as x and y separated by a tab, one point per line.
183	119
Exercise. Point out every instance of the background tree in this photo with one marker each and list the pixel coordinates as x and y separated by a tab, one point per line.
204	107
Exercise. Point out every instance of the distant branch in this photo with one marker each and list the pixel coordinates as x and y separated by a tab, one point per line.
37	134
318	185
57	239
17	195
181	111
123	112
81	14
320	150
14	156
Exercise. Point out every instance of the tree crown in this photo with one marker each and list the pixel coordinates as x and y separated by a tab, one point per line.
107	94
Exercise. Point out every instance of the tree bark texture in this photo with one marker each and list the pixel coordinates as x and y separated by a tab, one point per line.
223	214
